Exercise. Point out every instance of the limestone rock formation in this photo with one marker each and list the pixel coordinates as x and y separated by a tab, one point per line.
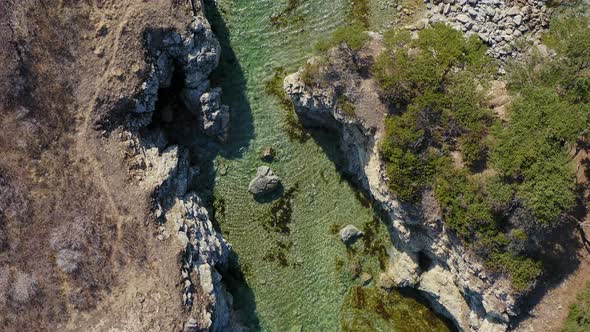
214	115
164	169
455	282
197	54
265	181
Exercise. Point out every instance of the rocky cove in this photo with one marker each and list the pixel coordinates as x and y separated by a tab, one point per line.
285	267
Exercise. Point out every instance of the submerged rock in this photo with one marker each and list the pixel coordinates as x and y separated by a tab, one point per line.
265	181
267	154
350	234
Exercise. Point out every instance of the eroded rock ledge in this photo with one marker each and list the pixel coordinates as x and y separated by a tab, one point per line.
163	169
425	256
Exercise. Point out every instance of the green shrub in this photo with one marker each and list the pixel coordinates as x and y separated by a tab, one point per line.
436	88
354	35
311	73
532	150
346	106
473	148
523	271
440	50
464	207
578	318
499	194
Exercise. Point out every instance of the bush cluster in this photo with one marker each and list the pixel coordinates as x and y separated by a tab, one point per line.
578	319
432	80
437	83
353	34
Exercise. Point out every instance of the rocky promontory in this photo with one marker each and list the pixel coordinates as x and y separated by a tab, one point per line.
424	255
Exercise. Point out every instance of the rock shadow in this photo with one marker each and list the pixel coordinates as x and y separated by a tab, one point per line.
229	75
244	301
272	196
328	139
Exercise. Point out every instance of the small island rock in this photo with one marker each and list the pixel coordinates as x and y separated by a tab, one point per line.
350	234
265	181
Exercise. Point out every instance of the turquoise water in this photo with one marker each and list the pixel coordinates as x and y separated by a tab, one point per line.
297	273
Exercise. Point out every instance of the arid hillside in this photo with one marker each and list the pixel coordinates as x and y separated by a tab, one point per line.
75	231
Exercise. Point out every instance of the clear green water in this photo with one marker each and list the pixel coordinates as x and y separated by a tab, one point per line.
308	293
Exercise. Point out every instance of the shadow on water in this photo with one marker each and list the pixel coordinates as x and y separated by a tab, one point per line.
230	77
329	142
244	302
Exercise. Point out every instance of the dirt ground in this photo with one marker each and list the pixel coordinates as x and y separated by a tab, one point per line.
66	66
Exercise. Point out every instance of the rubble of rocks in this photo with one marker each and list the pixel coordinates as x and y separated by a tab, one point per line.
499	23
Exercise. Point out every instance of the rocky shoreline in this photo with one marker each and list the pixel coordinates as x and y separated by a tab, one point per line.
502	25
424	255
164	169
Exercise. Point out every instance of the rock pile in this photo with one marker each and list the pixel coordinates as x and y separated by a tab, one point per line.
499	23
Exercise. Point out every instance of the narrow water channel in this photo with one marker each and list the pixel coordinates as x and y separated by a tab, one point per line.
298	275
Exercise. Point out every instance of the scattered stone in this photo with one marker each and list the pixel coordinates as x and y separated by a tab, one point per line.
265	181
99	52
102	30
463	18
495	22
349	234
267	154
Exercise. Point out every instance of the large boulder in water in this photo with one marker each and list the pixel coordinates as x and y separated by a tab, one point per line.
350	234
265	181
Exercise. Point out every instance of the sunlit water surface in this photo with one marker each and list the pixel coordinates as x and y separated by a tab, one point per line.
313	291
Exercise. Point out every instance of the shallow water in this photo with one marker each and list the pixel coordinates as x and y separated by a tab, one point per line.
298	274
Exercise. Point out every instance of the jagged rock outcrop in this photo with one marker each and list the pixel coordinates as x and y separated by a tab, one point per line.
452	279
165	170
214	115
195	54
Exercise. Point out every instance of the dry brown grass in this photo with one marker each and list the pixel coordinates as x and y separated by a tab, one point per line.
62	186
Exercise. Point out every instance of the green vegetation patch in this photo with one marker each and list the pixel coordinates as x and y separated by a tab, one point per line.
346	106
287	15
360	12
433	81
354	35
578	319
280	213
443	137
372	309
